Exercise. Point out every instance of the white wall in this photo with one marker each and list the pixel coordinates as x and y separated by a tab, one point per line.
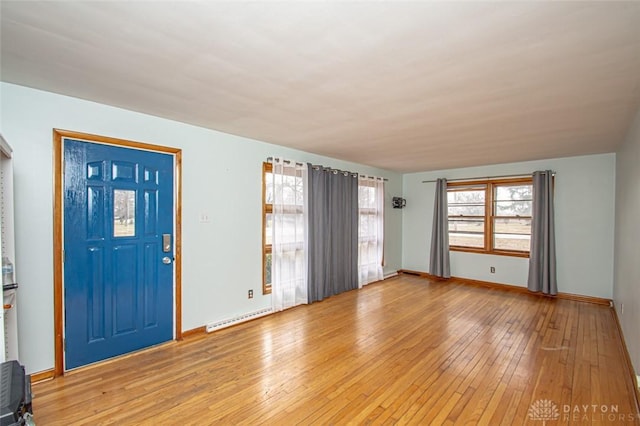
222	176
626	287
584	201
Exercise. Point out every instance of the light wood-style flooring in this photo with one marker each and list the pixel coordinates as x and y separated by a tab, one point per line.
403	351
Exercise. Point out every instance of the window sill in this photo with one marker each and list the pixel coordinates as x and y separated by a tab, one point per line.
492	252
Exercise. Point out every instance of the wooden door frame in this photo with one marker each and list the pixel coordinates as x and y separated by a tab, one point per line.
58	235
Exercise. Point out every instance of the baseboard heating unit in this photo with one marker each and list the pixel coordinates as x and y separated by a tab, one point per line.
237	319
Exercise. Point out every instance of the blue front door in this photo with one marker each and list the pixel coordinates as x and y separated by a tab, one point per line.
118	250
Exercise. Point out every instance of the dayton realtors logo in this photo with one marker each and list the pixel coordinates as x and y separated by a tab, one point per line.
546	410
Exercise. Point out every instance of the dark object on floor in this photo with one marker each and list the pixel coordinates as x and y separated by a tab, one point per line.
15	394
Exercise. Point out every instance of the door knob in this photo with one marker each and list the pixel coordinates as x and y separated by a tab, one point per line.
166	260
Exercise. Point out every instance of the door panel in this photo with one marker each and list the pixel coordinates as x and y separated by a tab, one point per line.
150	285
95	293
118	294
125	288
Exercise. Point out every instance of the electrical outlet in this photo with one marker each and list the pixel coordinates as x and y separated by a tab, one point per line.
204	217
250	294
493	270
622	309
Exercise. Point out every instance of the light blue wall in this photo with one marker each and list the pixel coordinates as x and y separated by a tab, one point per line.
626	287
584	201
222	176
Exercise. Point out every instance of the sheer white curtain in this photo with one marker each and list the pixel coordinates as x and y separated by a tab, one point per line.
289	244
370	229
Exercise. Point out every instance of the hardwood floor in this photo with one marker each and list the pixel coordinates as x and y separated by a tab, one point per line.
403	351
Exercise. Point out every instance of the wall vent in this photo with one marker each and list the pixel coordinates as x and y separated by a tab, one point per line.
237	319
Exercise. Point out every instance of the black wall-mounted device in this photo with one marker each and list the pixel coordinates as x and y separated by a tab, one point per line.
398	202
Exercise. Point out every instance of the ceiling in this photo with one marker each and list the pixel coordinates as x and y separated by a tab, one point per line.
404	86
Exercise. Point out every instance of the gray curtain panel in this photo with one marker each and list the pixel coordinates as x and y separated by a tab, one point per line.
542	257
439	264
333	233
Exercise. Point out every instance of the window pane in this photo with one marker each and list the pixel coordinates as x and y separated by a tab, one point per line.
512	242
368	227
267	268
466	196
513	208
365	223
289	228
268	229
466	240
520	226
512	234
268	188
514	192
366	196
288	190
467	225
467	232
513	200
466	210
124	213
467	202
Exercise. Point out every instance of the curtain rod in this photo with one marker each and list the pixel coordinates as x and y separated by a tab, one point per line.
329	169
483	177
270	160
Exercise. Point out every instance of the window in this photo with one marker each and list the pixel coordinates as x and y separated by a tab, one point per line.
492	216
370	229
267	225
288	202
466	206
124	213
512	216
